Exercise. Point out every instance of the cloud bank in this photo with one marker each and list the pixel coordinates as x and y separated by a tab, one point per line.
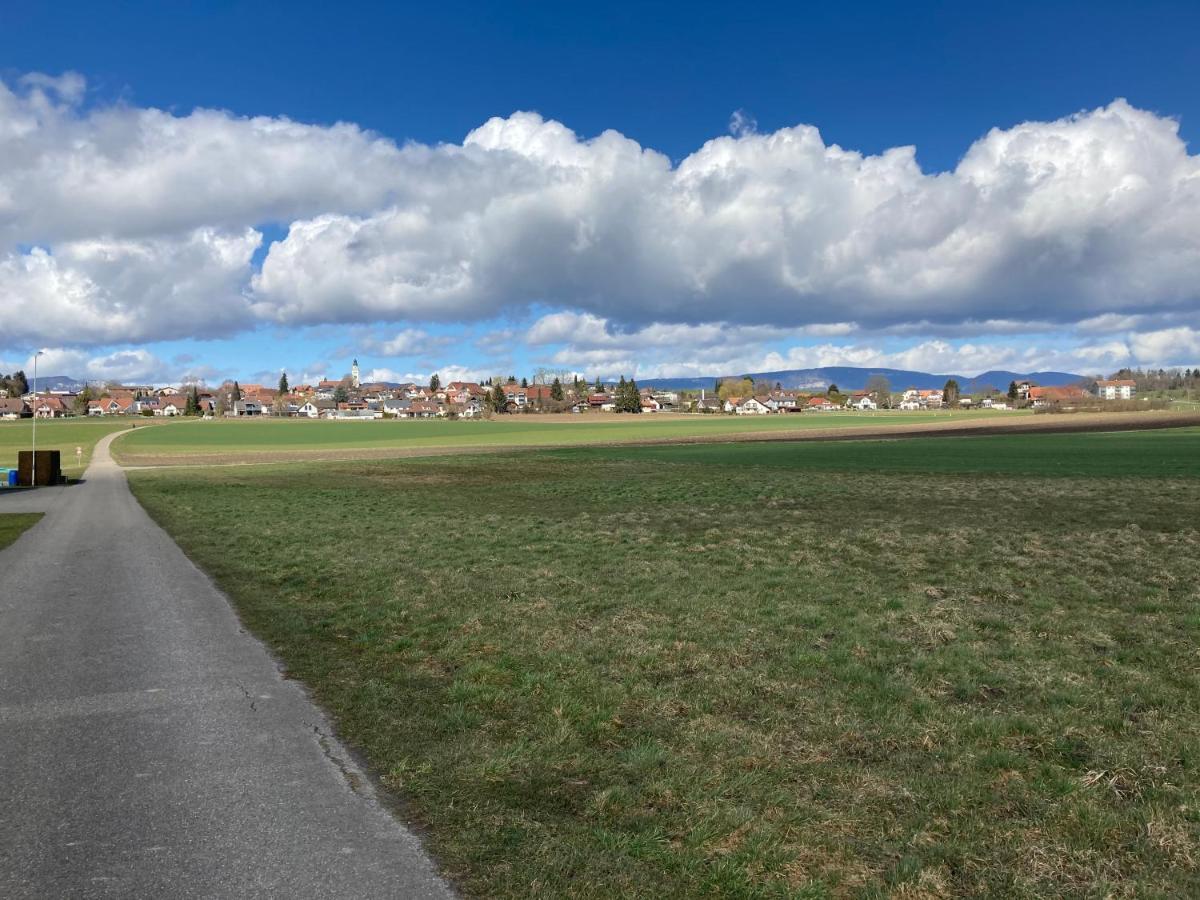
120	223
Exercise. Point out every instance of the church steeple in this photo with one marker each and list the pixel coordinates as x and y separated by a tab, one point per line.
354	374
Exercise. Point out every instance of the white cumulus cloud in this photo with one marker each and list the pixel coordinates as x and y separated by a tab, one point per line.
126	223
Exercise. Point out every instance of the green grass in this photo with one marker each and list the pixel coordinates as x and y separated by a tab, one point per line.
879	669
1168	452
13	525
63	435
282	435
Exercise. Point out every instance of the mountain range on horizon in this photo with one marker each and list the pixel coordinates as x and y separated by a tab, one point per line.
854	378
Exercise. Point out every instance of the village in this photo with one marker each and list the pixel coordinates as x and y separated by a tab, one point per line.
349	398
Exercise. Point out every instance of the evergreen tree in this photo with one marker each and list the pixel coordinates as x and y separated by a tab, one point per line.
82	399
192	407
950	392
435	383
598	387
524	383
341	394
633	399
237	392
1013	393
512	379
833	389
497	400
283	383
556	390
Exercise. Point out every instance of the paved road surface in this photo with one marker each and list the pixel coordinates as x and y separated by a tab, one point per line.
148	746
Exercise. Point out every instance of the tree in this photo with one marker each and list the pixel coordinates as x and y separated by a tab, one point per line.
556	390
598	387
18	384
881	389
341	394
1013	393
82	399
496	399
283	383
633	399
833	389
524	382
512	379
236	395
950	392
435	383
192	407
731	387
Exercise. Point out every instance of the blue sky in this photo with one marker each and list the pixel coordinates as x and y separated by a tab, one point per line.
990	283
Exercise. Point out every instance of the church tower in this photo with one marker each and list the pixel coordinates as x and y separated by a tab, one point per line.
354	374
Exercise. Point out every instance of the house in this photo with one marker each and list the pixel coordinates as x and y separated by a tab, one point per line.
419	410
915	398
470	409
14	409
819	404
172	406
110	406
784	401
1122	389
731	404
649	404
1041	397
246	408
753	406
598	401
708	405
314	409
861	401
1023	389
49	408
531	395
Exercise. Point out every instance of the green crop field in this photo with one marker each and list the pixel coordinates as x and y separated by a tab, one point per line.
923	668
63	435
1168	452
251	439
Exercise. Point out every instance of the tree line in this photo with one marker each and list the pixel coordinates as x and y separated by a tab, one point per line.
16	384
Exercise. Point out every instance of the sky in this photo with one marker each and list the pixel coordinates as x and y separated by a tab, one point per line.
223	190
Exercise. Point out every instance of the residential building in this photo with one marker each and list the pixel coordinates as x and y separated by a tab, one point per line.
1122	389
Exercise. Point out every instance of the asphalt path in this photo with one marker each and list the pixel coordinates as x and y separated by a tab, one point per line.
149	746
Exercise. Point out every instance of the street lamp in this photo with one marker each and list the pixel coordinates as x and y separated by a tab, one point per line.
33	466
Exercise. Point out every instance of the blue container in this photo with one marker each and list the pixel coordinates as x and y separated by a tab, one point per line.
12	477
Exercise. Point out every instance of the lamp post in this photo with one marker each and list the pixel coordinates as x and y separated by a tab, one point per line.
33	465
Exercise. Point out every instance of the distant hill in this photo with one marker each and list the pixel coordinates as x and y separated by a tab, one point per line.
853	378
56	383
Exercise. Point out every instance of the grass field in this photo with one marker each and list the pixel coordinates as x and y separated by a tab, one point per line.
13	525
63	435
247	440
922	668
